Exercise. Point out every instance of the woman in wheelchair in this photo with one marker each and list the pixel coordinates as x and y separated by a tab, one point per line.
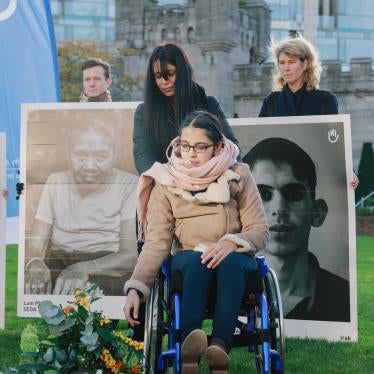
209	203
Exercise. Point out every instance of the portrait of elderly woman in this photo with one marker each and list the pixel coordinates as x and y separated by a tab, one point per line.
83	229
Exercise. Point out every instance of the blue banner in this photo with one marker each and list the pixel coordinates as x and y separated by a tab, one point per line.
28	73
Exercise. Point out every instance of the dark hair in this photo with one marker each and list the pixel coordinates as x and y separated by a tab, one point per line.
279	150
92	62
201	119
189	96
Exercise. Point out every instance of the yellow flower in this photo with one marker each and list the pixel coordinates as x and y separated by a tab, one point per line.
108	359
83	301
104	321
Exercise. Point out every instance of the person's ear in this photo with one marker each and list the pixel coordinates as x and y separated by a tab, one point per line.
217	147
108	82
305	64
320	210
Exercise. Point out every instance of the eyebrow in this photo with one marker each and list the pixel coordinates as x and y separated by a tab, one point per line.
265	186
172	70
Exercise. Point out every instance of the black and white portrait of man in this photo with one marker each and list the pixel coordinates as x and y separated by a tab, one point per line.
302	171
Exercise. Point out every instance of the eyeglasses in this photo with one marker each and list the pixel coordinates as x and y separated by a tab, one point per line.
198	147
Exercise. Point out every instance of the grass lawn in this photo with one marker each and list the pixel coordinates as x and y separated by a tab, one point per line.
302	356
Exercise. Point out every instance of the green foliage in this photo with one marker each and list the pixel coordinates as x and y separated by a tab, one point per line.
303	356
79	339
29	339
71	55
366	171
365	211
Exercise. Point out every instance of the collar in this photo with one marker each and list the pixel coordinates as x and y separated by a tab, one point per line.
104	97
217	192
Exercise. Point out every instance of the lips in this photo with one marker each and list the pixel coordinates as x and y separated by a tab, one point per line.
90	177
282	230
168	90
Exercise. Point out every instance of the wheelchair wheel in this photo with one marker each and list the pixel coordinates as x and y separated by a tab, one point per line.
275	313
276	326
276	323
258	348
154	327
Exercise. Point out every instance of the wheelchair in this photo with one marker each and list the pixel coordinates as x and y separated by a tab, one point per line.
260	323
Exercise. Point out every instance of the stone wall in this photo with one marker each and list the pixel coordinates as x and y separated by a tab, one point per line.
216	34
226	41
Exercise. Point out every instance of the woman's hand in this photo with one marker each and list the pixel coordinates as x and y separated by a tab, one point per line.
131	308
355	182
217	252
5	193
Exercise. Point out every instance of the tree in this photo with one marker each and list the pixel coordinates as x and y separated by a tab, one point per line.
365	171
71	56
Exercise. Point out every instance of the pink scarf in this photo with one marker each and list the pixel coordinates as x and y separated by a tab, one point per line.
183	174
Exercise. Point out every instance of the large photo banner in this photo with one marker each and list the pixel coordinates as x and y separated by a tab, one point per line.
2	229
28	74
303	169
77	213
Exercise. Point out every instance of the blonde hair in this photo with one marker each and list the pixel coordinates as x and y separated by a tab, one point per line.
302	49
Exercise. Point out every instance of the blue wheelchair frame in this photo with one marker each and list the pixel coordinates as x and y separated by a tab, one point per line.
259	339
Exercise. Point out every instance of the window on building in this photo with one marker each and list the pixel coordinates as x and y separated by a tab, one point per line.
164	34
191	35
177	34
286	10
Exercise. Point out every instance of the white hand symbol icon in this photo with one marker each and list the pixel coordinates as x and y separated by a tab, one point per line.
333	136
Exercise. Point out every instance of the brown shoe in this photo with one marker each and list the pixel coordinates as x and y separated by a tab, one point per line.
217	359
193	347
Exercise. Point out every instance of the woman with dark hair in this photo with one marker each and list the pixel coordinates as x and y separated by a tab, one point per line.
170	95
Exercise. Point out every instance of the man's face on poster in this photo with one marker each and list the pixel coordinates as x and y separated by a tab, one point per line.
288	205
92	158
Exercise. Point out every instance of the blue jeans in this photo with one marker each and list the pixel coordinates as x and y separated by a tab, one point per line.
230	278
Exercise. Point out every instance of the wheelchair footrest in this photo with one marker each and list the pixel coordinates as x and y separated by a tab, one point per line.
251	338
171	354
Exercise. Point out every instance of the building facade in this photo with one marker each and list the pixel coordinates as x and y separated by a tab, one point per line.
84	20
341	29
217	35
227	41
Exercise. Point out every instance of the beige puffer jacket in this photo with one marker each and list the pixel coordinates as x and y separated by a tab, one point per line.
230	209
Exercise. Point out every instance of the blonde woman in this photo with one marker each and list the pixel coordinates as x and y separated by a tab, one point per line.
296	77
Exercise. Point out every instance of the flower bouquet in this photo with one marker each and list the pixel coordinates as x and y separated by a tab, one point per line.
80	340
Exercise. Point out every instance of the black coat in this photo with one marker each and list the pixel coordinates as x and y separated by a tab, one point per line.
302	103
147	150
331	297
